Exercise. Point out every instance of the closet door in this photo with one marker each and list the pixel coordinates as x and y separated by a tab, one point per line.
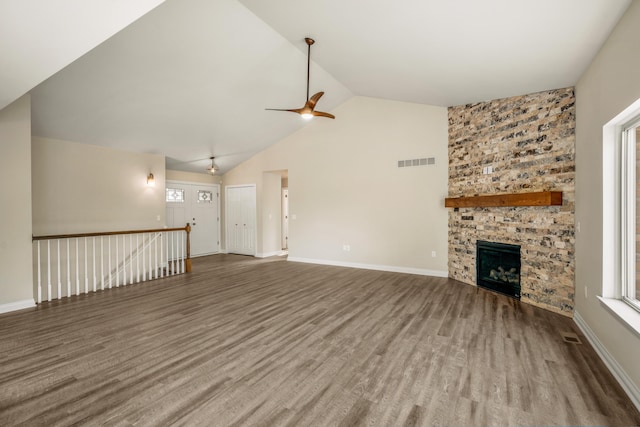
240	203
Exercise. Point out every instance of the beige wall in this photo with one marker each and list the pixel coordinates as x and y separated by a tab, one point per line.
15	195
610	84
201	178
345	187
85	188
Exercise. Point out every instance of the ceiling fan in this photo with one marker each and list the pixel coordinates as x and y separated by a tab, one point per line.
308	111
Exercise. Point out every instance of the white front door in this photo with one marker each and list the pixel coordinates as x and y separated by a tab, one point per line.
240	202
198	205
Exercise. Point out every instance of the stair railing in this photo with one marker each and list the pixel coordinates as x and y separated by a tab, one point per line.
73	264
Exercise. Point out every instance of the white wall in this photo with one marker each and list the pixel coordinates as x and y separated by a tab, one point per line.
86	188
15	206
345	186
610	84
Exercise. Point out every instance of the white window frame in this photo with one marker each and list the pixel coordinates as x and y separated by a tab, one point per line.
627	171
617	208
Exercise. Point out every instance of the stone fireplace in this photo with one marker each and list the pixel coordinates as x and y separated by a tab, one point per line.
520	144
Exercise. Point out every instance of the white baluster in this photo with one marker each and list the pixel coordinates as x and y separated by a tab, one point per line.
102	263
77	268
168	247
86	270
173	253
109	250
156	253
117	264
59	279
94	264
68	270
39	276
144	264
161	250
137	259
149	253
168	254
124	260
48	270
131	258
183	251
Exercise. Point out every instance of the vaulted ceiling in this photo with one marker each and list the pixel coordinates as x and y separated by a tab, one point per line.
192	78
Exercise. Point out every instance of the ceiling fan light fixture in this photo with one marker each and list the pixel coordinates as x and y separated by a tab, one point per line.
306	116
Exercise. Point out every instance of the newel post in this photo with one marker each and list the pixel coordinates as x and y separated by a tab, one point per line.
188	259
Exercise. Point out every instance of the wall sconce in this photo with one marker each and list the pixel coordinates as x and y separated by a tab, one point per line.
151	181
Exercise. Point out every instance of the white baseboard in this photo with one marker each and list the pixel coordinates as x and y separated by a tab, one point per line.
391	268
632	389
268	254
17	305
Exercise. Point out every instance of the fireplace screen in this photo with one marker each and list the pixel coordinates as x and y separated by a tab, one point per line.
498	267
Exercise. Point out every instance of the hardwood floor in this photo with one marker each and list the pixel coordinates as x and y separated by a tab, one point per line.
267	342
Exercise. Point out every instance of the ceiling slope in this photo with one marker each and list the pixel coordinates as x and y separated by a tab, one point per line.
38	38
448	52
189	80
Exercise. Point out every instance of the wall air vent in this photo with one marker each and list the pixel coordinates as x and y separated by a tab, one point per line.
425	161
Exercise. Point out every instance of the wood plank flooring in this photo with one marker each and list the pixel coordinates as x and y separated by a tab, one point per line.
243	341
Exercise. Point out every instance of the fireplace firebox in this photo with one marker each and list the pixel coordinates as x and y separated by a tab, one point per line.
498	267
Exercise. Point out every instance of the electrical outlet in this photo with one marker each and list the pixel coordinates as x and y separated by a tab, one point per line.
433	254
346	248
586	294
578	226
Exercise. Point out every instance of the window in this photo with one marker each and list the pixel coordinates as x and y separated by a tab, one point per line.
175	195
630	212
204	196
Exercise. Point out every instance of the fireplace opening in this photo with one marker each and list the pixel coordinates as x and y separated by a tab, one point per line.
498	267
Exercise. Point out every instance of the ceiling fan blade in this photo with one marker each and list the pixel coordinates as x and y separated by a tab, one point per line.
314	100
323	114
292	110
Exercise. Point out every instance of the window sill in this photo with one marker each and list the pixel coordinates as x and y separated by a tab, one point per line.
629	316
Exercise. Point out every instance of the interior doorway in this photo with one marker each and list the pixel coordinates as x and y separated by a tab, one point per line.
285	218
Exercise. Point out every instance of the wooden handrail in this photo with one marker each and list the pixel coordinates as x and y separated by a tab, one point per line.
174	249
187	229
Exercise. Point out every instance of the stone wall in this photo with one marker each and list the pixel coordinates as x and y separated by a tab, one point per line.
529	141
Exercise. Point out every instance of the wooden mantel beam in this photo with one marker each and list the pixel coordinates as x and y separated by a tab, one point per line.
541	198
